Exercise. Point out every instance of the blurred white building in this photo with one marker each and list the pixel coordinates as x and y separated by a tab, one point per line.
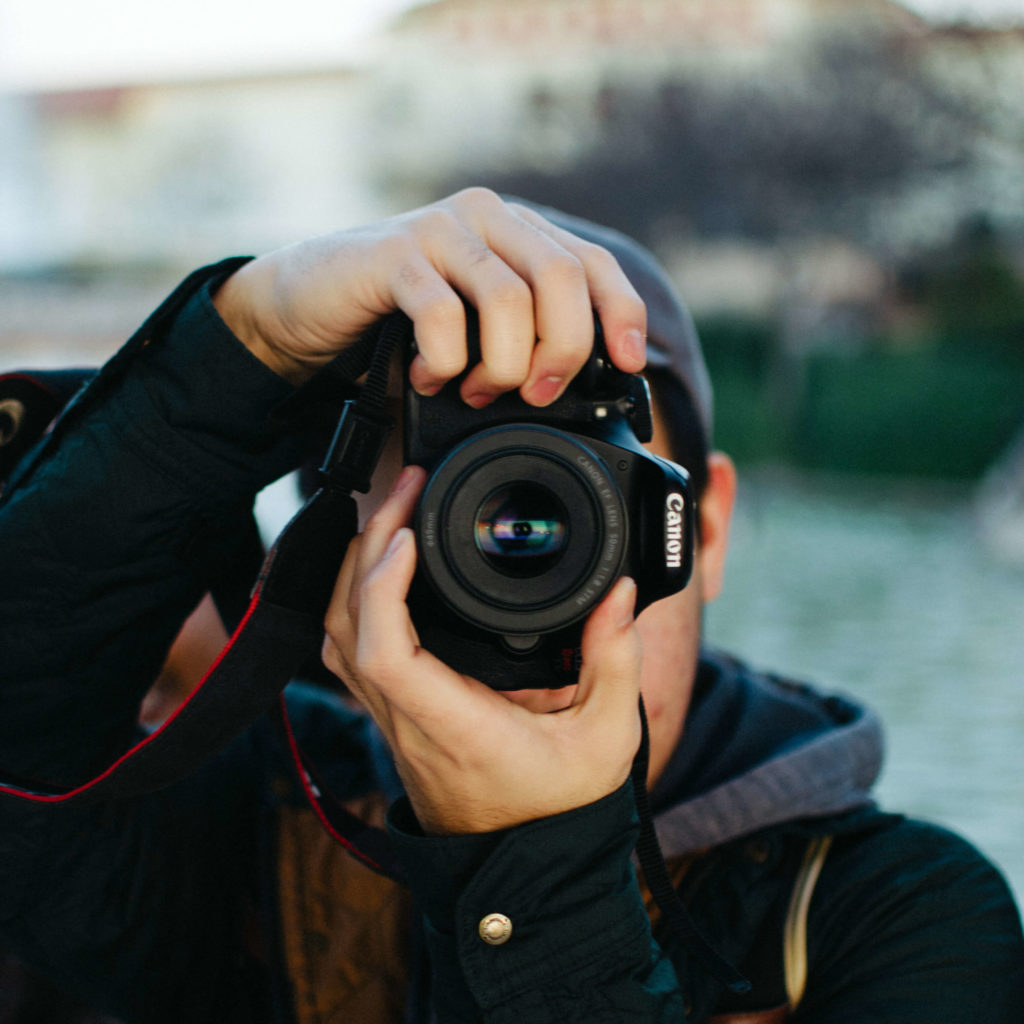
169	175
186	171
495	80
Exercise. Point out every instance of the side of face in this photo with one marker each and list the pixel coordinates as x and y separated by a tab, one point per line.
670	629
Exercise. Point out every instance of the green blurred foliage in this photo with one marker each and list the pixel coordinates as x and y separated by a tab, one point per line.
942	411
748	424
933	413
974	295
944	406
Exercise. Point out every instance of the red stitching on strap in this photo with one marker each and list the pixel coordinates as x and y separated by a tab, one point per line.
57	798
311	796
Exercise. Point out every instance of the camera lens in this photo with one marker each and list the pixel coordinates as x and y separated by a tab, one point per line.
522	529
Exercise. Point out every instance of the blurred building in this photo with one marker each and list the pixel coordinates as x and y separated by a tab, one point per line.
764	148
536	81
107	196
177	172
776	144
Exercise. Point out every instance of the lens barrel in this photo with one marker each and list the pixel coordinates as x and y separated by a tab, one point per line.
521	529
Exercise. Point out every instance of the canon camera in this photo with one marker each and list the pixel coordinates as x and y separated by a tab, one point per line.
529	516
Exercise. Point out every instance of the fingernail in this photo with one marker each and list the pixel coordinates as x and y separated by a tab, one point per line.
635	344
403	480
626	596
478	401
546	390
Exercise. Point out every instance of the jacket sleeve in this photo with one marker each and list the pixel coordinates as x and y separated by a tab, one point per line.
113	531
577	945
109	534
911	923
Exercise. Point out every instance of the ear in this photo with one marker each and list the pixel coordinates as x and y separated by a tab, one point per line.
715	511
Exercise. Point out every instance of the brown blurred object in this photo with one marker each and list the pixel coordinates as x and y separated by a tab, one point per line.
194	650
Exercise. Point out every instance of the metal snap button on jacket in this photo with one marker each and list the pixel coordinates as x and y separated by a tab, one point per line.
495	929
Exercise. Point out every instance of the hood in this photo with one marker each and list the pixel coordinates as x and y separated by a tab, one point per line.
758	750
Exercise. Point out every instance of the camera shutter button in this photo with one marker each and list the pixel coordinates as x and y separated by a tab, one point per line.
495	929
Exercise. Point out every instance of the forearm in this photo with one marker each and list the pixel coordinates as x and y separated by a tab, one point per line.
111	537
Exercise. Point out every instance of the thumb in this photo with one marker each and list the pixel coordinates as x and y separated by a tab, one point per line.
612	654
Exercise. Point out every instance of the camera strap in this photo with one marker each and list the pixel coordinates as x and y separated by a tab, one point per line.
659	881
280	631
348	465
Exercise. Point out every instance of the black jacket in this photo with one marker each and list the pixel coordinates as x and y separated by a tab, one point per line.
181	905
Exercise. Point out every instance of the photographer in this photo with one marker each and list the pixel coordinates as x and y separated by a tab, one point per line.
220	898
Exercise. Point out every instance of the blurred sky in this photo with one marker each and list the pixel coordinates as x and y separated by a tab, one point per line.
68	43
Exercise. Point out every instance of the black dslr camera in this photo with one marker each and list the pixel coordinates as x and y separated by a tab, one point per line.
529	516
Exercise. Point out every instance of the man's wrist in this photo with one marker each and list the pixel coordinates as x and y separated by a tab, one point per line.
565	885
234	302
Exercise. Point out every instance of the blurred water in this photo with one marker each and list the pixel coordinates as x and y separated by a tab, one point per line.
887	592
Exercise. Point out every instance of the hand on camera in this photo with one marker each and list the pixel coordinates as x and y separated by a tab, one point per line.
533	284
471	759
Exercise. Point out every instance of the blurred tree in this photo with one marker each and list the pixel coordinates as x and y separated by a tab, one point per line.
854	138
975	295
812	149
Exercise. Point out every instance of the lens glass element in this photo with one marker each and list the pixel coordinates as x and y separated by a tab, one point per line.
522	529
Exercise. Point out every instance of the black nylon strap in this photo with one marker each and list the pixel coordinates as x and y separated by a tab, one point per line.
365	842
281	630
664	893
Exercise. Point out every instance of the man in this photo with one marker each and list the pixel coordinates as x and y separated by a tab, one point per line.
221	898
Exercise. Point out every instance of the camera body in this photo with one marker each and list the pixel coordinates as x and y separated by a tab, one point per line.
530	515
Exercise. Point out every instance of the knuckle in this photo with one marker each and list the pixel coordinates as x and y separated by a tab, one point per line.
445	321
480	253
443	312
522	210
336	623
329	655
409	275
334	661
624	307
438	371
597	258
397	248
478	197
571	355
563	269
505	377
331	621
508	294
434	221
